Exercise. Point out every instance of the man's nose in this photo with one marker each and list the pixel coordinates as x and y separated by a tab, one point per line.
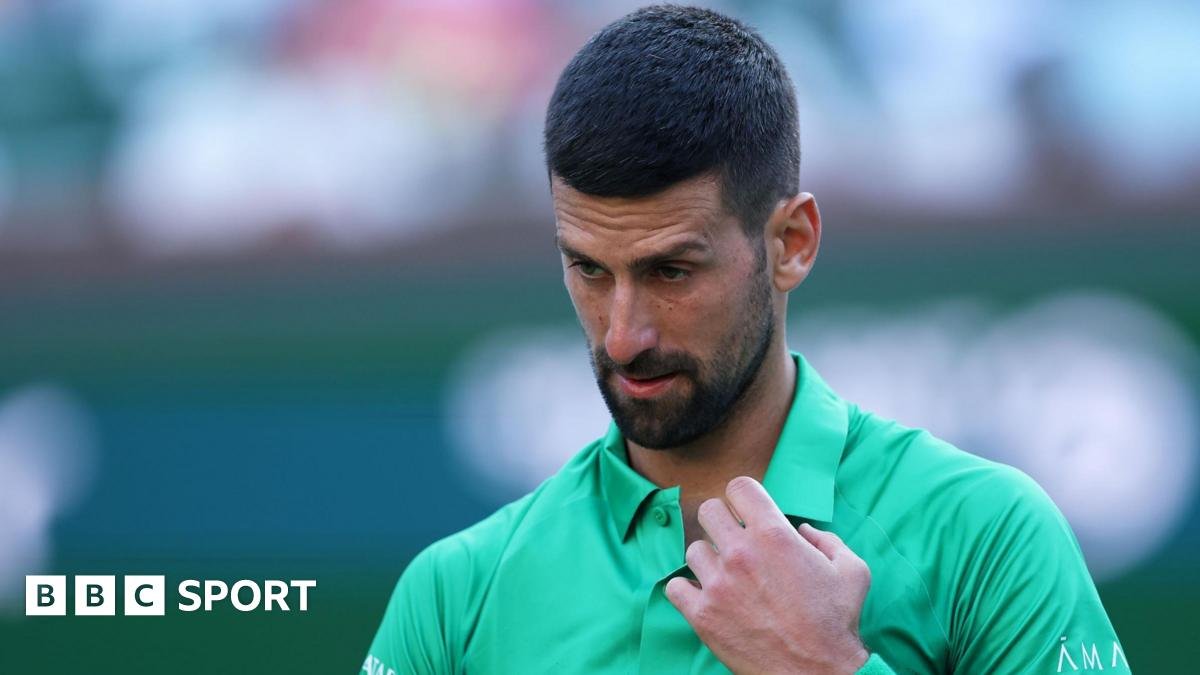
630	329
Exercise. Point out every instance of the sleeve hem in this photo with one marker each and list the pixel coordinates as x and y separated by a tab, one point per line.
875	665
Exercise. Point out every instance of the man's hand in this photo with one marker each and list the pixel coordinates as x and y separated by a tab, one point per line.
772	598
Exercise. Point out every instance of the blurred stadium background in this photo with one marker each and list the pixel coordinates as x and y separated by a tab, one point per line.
279	298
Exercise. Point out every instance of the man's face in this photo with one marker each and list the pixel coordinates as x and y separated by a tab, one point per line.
675	301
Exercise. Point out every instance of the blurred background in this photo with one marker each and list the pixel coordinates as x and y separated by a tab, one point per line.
279	296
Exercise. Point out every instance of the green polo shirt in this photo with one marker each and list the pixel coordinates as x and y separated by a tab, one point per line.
974	569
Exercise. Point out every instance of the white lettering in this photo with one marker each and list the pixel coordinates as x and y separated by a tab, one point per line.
276	591
214	590
1062	653
374	666
45	595
95	595
145	595
1117	650
255	595
185	590
304	585
1091	660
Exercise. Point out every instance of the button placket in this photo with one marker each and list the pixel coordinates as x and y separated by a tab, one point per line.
668	643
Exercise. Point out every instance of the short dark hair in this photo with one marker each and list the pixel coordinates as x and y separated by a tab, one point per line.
668	93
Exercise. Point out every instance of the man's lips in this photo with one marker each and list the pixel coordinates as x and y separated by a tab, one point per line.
645	387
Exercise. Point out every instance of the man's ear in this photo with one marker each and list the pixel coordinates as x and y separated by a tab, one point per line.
793	237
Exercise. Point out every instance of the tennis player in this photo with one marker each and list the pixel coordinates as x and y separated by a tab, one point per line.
738	515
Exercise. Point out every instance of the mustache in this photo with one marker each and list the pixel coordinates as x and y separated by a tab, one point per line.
647	364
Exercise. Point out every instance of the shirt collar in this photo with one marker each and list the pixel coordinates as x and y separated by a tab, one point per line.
799	477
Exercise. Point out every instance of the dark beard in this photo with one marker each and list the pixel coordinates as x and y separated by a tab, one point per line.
708	392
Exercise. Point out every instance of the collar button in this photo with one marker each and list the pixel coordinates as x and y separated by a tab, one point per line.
660	516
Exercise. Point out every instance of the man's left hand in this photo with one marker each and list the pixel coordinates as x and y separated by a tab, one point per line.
772	598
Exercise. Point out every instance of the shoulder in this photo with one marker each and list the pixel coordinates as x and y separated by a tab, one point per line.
970	527
440	594
980	534
910	468
1003	572
471	553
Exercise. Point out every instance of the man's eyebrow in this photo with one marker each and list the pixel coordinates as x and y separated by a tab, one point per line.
646	261
654	259
570	252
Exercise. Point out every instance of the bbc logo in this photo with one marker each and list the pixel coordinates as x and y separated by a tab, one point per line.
145	595
95	595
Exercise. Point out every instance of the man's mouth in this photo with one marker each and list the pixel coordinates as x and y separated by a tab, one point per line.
646	387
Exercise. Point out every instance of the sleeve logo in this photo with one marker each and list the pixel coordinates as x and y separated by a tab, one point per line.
1090	655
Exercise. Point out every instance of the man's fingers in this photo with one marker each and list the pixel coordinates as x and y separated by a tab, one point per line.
826	542
718	523
750	500
684	594
844	560
702	560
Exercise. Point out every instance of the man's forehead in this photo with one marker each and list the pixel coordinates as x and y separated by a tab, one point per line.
689	207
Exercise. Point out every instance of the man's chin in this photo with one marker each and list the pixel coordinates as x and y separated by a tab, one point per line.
651	439
654	425
654	434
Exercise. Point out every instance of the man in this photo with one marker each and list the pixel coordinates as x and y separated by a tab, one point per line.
738	515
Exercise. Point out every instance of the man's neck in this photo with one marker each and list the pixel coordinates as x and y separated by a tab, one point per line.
742	445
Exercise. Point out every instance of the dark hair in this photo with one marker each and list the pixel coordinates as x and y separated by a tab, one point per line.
668	93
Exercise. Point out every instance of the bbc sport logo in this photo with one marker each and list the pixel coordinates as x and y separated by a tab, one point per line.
146	595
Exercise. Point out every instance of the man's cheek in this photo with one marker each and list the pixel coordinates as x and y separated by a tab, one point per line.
585	309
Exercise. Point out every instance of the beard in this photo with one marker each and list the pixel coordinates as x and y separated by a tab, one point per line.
705	392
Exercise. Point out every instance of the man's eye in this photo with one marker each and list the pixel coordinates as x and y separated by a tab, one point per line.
672	273
587	269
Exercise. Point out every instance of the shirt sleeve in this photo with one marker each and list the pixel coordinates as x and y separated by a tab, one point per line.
1027	602
413	636
875	665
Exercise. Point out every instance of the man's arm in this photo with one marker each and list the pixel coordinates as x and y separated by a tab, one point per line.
1027	601
412	639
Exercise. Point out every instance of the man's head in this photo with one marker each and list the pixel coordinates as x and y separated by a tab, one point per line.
672	146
